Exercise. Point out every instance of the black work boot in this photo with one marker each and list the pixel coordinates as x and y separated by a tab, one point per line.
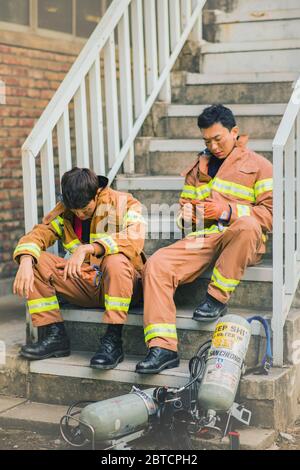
53	342
157	360
110	352
209	310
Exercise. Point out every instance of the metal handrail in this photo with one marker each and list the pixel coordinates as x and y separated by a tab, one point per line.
286	204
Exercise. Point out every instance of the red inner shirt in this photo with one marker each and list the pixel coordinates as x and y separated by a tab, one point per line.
78	227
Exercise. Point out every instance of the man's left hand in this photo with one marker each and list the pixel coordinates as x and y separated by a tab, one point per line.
215	210
72	267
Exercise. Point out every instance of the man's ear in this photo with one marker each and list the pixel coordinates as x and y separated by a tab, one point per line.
235	131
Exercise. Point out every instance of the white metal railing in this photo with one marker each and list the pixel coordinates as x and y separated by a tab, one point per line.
286	219
150	35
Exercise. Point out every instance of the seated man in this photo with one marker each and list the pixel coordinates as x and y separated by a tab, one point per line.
231	187
104	232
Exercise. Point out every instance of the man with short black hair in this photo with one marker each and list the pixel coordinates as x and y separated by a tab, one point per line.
226	205
103	232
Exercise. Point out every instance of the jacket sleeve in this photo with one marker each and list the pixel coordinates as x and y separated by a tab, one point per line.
262	209
130	237
41	237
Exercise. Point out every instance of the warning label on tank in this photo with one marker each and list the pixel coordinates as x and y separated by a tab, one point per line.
223	375
230	341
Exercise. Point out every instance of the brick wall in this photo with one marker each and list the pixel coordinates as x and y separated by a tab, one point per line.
31	77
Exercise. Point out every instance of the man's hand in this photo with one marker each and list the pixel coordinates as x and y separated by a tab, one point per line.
191	212
215	210
24	279
73	266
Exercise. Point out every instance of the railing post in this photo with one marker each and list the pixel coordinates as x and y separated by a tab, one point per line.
48	181
81	130
164	47
64	143
298	184
111	100
151	44
290	268
186	11
97	118
125	88
139	59
197	34
278	280
175	26
30	211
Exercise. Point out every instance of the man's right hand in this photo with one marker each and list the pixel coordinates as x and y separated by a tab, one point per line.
24	279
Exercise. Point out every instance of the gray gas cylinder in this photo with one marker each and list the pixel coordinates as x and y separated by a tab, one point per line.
117	417
223	367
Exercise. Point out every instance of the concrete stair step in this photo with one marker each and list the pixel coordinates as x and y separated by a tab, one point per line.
180	121
85	327
252	26
237	78
252	56
265	109
228	87
255	16
157	157
185	127
62	379
251	438
265	5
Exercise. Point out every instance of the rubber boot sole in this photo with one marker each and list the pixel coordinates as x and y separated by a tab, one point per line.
32	357
109	366
211	320
167	365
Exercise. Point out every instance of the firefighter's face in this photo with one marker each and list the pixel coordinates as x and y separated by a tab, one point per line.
86	212
219	140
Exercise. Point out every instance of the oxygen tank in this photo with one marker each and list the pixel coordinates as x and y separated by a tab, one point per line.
117	417
224	363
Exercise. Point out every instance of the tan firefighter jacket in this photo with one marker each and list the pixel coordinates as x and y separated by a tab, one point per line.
244	181
117	225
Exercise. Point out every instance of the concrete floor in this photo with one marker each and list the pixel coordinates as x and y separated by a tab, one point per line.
12	320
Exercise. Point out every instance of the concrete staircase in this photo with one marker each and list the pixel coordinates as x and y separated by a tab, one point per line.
250	66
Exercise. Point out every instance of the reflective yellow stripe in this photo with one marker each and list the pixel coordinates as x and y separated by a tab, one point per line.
58	225
263	186
132	216
206	231
243	210
28	247
163	330
196	192
234	189
188	192
223	283
110	244
71	247
43	304
117	303
202	192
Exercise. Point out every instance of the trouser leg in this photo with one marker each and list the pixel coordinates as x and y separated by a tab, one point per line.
43	304
238	247
121	285
176	264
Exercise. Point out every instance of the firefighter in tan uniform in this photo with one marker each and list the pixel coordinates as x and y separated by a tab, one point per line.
227	203
103	231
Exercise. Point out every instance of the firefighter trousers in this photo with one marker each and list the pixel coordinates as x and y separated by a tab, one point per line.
113	289
230	251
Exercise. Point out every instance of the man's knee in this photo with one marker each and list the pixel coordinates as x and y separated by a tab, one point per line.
157	264
117	265
247	226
